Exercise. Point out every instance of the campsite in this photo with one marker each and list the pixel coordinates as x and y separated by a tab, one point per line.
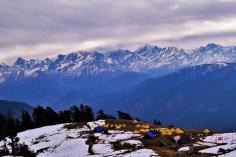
124	138
164	141
161	138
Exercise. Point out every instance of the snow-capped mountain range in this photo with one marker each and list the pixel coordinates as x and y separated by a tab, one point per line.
164	82
148	59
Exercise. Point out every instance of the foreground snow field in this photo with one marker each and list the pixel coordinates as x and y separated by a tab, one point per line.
57	141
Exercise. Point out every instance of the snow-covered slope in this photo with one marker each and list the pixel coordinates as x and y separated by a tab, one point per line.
221	144
146	59
57	141
227	143
78	140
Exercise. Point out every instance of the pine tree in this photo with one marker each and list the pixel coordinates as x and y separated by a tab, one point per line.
23	150
11	131
154	122
101	115
123	115
2	126
88	114
75	114
52	116
18	149
26	121
11	127
82	113
18	125
159	123
65	116
39	117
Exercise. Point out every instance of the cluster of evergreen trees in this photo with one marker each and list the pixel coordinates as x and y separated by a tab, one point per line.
40	117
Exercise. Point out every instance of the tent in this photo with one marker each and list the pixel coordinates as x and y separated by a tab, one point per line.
172	130
135	121
179	131
98	129
206	131
106	126
150	135
165	131
118	126
168	132
136	132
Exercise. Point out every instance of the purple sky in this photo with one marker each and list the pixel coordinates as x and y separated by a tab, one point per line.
45	28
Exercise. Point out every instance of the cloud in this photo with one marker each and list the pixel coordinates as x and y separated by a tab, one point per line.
43	28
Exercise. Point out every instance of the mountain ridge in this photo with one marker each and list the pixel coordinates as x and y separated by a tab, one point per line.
196	97
147	59
13	108
45	82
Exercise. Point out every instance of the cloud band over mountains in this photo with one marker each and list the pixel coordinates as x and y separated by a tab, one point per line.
39	28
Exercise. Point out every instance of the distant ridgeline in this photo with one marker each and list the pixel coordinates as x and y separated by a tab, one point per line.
12	108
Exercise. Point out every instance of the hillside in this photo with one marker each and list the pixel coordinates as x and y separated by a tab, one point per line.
119	83
124	138
13	108
196	97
